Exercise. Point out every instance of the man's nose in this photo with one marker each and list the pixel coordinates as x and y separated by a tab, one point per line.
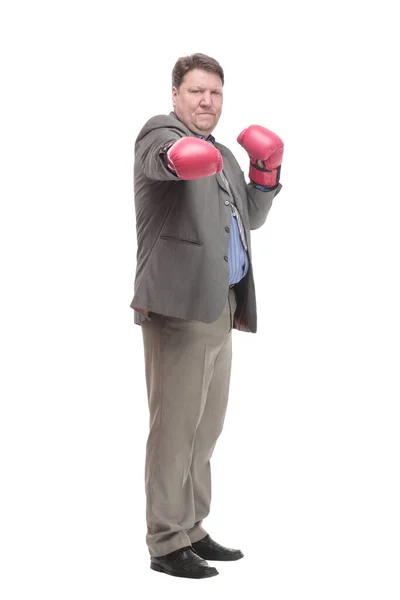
206	99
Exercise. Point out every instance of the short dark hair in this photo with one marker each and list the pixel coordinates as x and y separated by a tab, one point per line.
184	64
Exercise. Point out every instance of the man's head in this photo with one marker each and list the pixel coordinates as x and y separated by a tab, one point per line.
197	83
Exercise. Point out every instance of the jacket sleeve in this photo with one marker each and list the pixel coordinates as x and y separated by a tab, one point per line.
150	150
259	203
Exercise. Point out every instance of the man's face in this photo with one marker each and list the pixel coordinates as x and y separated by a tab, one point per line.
198	101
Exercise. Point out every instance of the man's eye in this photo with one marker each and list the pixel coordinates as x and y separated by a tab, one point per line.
195	91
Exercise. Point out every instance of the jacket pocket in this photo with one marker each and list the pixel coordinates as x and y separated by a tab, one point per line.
170	238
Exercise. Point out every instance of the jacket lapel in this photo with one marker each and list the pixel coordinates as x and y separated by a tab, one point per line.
221	182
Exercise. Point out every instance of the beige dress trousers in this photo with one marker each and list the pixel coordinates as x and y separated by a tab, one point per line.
188	368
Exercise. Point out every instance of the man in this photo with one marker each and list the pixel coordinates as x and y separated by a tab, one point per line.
194	284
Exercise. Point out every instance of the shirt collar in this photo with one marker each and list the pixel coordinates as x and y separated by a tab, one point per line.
210	138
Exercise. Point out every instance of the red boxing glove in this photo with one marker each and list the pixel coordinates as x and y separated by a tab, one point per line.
265	150
193	158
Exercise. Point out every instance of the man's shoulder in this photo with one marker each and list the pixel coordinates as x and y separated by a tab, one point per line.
169	121
163	121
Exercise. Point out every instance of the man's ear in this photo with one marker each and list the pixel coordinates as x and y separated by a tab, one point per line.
174	94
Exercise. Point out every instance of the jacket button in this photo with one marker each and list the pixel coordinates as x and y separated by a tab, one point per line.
226	258
227	229
226	202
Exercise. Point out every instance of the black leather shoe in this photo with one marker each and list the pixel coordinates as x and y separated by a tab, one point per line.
183	563
210	550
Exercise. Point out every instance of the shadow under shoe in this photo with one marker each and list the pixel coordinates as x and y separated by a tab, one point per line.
183	562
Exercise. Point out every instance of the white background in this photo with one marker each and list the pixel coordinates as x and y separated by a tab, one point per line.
306	472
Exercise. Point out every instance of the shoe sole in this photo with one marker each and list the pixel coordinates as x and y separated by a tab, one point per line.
161	570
